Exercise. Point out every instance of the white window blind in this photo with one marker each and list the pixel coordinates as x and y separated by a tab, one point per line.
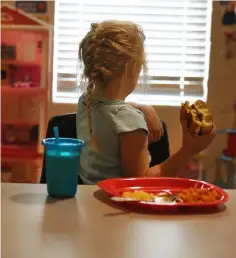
177	45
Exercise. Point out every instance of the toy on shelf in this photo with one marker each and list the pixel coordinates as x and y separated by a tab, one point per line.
25	83
25	57
23	70
21	134
221	179
229	23
8	52
194	168
230	151
227	160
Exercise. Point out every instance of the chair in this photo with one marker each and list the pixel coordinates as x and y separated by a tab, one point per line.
67	127
160	150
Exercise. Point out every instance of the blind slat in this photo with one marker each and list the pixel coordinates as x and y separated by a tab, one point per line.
138	3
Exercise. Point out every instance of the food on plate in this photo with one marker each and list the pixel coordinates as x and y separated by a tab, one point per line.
198	116
161	197
189	195
139	196
199	195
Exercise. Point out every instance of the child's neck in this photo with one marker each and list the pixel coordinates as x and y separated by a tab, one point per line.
113	91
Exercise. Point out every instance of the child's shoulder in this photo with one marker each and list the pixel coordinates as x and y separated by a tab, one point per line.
127	118
120	110
116	107
127	110
122	115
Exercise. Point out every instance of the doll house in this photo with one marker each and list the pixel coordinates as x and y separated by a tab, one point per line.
25	76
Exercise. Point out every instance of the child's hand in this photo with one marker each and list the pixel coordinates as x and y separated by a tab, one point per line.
195	144
153	122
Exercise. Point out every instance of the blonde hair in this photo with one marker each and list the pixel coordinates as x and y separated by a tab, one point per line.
105	51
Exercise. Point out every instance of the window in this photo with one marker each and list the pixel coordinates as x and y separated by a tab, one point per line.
177	45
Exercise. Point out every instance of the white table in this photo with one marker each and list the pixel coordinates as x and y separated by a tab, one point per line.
86	227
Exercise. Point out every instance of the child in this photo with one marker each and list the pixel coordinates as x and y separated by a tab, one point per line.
115	133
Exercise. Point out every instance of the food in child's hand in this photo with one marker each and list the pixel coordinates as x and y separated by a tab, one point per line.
198	117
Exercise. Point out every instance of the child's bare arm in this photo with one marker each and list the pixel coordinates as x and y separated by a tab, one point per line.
154	124
134	153
172	165
135	161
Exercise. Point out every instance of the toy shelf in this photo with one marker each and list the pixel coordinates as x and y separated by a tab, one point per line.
27	159
15	153
25	78
19	151
20	62
19	122
12	90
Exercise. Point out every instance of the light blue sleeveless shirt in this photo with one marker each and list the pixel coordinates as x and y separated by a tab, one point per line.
109	119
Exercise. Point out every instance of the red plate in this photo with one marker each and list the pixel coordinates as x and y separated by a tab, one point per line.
116	186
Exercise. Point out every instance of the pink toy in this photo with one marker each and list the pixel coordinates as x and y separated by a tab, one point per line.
26	83
230	151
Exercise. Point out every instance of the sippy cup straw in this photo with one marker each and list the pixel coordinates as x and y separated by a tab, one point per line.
56	133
